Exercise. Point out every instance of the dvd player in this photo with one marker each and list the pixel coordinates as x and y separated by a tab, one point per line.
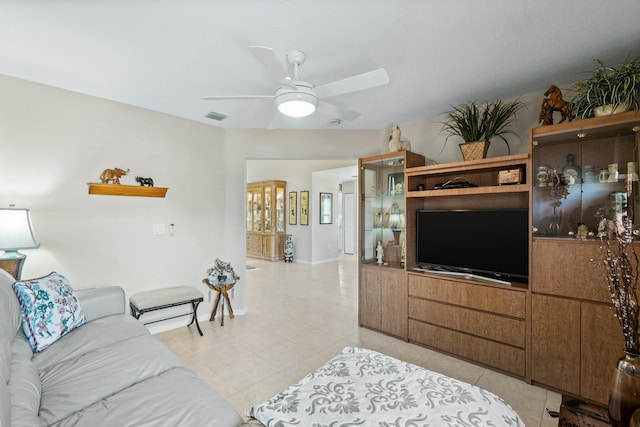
447	185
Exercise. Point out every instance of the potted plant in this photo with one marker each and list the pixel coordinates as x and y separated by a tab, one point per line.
477	123
608	90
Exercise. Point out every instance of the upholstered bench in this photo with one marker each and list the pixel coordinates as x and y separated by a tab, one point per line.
159	299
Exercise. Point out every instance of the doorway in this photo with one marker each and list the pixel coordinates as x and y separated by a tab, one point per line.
349	223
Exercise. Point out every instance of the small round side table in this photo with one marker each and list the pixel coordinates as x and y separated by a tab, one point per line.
222	287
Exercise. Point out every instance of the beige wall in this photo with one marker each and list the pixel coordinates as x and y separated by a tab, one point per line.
54	141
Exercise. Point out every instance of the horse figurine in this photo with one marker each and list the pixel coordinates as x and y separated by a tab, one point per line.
554	102
144	181
112	175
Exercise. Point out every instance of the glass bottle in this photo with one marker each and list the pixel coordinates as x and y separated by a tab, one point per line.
571	172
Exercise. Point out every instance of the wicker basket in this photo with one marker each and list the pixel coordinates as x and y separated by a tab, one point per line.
474	150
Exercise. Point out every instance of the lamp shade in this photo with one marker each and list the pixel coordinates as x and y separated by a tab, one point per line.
299	103
16	231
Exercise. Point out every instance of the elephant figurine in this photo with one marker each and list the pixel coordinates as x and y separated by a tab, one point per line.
112	175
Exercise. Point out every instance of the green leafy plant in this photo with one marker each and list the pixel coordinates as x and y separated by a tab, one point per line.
481	121
608	86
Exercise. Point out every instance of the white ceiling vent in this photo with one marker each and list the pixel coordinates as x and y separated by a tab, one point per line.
216	116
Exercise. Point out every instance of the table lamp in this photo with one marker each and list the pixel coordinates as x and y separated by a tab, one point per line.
396	222
16	233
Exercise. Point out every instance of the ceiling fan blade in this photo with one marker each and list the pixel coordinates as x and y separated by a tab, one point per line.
267	57
333	110
355	83
211	98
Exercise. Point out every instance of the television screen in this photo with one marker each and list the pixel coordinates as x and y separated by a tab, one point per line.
487	243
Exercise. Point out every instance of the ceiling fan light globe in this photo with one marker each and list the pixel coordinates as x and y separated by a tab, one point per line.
296	104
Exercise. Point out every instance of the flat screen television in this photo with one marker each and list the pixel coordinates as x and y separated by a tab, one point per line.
492	244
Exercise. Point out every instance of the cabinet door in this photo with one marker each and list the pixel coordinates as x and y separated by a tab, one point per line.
602	346
267	209
555	352
280	209
257	210
249	210
393	300
370	298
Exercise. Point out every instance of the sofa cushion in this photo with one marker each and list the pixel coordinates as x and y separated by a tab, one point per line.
49	309
24	385
176	397
9	325
92	376
92	336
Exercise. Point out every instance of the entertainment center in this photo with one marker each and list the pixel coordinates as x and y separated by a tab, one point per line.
533	304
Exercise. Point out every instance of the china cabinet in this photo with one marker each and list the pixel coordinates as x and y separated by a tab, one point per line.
382	279
265	221
579	175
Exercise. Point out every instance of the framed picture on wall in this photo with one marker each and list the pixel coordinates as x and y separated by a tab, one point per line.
326	208
293	207
304	208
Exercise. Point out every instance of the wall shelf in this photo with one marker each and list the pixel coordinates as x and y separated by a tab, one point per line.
126	190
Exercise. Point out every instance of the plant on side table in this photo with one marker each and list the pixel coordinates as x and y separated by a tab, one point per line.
608	90
477	123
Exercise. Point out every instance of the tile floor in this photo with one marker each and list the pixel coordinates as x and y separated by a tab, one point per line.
301	315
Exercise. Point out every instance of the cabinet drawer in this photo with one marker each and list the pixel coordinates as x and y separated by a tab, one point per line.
254	244
490	353
505	301
486	325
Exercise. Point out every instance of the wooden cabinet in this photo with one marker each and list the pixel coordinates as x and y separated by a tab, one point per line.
476	320
575	338
559	331
383	300
382	287
265	210
484	323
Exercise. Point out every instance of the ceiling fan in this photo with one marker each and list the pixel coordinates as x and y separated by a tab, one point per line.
296	98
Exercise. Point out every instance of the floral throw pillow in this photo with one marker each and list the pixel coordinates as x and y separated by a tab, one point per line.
49	309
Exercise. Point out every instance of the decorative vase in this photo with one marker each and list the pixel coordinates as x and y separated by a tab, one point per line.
474	150
624	397
635	419
288	248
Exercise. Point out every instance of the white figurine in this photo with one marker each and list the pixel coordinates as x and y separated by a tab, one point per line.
379	252
396	143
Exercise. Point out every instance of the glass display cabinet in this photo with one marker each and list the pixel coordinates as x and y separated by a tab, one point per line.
580	174
265	212
382	279
382	210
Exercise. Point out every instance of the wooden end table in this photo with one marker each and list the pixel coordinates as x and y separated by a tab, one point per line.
222	288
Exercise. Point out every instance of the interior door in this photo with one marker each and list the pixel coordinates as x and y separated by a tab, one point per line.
349	223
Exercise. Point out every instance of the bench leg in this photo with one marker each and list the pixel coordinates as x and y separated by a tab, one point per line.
195	304
134	311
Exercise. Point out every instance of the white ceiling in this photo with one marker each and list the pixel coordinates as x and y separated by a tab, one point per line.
165	55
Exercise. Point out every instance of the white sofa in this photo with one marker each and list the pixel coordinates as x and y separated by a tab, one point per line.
108	372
